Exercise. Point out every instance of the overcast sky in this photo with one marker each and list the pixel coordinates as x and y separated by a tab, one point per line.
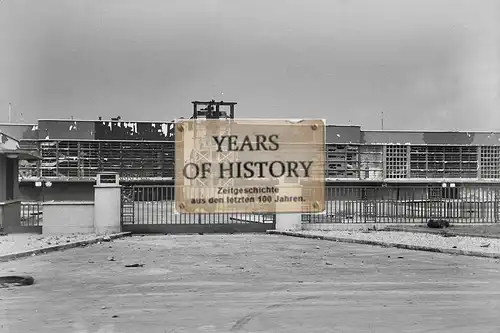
427	64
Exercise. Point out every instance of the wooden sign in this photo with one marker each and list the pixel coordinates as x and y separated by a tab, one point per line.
250	166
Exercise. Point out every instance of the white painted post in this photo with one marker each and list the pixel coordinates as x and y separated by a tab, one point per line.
107	203
289	221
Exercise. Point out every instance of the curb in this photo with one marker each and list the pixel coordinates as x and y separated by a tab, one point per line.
18	255
443	231
385	244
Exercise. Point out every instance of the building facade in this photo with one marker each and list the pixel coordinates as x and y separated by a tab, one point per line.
411	156
73	152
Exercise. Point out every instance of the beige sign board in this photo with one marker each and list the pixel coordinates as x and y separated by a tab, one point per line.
250	166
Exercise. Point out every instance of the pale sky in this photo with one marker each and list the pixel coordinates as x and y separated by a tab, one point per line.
427	64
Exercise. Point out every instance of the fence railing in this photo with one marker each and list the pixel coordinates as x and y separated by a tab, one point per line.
394	203
31	214
409	204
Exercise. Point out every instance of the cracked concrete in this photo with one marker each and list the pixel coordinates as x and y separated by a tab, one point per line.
250	283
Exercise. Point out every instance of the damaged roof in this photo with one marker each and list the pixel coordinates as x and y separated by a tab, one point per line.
10	145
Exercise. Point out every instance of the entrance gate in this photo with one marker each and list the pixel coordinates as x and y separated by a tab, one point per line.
151	209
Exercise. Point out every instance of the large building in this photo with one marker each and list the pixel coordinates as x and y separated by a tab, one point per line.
73	151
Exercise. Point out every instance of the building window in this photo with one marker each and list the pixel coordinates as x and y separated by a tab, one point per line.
342	161
371	162
10	175
443	162
490	162
439	192
396	162
469	162
84	159
450	192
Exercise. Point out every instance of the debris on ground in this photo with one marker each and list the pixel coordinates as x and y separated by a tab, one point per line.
16	281
134	265
438	224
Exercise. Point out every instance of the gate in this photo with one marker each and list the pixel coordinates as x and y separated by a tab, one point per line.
151	209
29	220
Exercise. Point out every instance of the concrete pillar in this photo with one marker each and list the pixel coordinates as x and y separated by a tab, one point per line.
107	212
289	221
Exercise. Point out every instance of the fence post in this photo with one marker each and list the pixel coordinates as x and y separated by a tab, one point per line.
289	221
107	203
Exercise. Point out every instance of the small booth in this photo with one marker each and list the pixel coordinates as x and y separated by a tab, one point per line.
10	204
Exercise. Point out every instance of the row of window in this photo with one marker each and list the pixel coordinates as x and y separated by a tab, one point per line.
399	162
84	159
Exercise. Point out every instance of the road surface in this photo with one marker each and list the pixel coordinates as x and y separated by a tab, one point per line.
250	283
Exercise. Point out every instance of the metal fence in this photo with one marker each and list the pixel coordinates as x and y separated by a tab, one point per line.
409	204
146	208
31	214
395	203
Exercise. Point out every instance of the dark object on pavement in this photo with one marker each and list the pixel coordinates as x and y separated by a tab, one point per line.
135	265
25	280
438	224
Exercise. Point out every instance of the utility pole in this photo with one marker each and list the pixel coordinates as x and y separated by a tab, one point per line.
10	112
382	121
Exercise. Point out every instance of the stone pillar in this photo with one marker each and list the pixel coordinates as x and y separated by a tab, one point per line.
289	221
107	203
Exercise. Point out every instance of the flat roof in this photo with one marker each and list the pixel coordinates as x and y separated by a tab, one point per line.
22	154
108	120
432	131
335	133
17	124
328	125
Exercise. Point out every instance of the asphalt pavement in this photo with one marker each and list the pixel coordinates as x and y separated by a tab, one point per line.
250	283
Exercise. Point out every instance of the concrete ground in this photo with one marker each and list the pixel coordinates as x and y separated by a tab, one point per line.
15	243
480	230
250	283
